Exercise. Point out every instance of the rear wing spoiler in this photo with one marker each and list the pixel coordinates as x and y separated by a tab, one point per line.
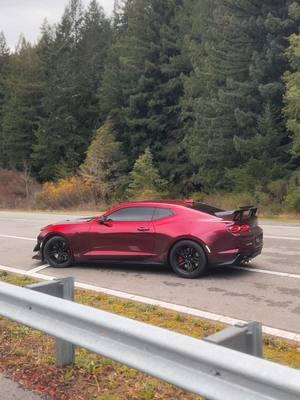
238	215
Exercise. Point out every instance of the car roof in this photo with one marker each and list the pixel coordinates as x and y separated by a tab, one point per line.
157	203
191	205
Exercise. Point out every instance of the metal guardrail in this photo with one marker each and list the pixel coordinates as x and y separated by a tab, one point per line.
204	368
64	289
244	337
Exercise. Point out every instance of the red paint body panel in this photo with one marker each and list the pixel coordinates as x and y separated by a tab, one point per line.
152	240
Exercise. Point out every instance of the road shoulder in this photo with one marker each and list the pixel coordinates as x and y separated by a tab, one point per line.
13	391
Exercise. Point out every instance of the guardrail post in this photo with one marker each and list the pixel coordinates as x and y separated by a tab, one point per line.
244	337
64	289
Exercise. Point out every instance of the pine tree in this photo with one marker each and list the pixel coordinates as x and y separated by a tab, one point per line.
145	181
105	165
4	59
120	16
73	72
292	80
292	109
92	53
21	105
238	60
143	84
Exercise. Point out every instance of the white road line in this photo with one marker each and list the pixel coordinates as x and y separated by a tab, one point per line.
19	219
279	226
282	237
169	306
26	273
18	237
38	269
266	272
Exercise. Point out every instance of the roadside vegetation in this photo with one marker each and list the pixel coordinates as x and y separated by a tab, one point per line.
101	110
27	356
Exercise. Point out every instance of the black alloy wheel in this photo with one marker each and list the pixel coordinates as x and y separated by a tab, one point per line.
57	252
188	259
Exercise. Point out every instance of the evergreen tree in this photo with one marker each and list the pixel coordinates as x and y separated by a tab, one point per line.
4	51
238	60
21	105
120	16
4	59
142	90
75	63
292	79
59	142
145	181
292	109
105	165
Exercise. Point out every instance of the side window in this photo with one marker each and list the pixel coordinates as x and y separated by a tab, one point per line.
132	214
161	213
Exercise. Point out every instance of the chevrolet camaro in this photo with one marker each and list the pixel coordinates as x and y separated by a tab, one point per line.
187	235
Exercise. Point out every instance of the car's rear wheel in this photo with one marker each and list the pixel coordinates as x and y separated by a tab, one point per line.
188	259
57	252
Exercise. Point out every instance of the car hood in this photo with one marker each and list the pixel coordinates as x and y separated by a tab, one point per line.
74	221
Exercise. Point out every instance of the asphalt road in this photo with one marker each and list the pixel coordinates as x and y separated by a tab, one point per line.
268	290
12	391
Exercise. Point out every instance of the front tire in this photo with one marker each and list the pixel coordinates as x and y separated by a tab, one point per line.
57	252
188	259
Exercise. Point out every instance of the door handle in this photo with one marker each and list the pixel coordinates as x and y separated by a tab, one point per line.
143	229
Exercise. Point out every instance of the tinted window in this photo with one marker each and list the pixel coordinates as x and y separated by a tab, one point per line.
161	213
133	214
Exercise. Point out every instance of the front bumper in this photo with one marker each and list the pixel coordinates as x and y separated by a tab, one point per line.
38	250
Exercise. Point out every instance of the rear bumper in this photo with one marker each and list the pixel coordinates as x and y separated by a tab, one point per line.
240	257
246	251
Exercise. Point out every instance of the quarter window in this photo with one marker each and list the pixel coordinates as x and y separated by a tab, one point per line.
133	214
161	213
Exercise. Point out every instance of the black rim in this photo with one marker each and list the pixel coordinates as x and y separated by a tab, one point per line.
59	251
188	259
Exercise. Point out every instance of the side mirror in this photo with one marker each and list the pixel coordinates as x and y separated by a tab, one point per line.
104	221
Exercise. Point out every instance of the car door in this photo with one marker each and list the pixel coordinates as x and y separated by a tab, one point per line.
127	234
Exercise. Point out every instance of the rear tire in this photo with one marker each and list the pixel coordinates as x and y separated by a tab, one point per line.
188	259
57	252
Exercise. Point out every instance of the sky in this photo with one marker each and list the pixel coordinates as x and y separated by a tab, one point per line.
26	16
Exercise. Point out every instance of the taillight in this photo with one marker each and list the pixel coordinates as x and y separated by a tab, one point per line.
238	229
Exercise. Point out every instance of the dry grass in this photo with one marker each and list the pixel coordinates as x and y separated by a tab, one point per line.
17	190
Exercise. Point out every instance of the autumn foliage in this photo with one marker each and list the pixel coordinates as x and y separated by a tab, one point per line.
66	193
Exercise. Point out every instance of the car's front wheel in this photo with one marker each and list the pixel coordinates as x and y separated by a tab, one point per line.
188	259
57	252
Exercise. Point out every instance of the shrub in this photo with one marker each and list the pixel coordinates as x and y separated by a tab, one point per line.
145	180
66	193
293	200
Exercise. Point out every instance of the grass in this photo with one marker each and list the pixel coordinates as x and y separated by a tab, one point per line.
28	355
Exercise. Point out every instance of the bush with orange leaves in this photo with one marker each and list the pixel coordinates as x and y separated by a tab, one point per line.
67	193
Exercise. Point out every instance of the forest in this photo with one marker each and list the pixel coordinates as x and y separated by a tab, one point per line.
174	98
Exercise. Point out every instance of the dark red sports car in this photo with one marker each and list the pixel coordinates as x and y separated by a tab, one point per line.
187	235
